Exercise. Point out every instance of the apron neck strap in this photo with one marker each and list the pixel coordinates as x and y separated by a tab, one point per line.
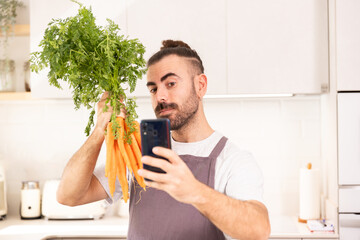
218	148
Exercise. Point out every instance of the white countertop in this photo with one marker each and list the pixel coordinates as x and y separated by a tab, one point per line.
288	227
13	228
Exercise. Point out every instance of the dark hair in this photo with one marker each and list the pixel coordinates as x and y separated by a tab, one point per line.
179	48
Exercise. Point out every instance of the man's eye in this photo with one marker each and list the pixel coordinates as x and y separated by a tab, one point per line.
171	84
153	90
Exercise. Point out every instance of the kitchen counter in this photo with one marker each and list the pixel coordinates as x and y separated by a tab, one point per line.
13	228
288	227
283	227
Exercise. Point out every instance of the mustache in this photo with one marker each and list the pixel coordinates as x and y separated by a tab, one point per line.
162	106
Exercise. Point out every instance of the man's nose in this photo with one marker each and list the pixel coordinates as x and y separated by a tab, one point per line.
161	94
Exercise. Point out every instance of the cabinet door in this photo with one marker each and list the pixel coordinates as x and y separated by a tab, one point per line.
41	13
277	46
349	138
348	45
199	23
349	227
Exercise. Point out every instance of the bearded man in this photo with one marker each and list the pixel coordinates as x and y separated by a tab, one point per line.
211	189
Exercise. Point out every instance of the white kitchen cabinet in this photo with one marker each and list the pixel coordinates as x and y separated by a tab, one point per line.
348	45
349	226
247	47
199	23
349	199
41	13
277	46
349	138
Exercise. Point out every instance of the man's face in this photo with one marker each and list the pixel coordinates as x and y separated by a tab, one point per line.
171	86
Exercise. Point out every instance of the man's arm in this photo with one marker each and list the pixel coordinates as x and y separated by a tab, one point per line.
78	185
239	219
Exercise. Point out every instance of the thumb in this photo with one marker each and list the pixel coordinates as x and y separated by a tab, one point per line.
167	153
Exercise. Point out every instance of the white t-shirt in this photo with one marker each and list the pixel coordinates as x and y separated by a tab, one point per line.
237	174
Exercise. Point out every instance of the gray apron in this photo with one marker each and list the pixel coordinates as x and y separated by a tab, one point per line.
155	215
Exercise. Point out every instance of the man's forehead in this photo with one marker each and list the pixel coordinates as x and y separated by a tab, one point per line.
172	63
175	67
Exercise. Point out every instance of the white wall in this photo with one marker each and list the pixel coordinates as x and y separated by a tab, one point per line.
38	137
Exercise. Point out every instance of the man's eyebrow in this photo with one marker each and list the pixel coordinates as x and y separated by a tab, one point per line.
163	78
150	84
168	75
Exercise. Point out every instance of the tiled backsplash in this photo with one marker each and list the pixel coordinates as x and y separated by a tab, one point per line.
38	137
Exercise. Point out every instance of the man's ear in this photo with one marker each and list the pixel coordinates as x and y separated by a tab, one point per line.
201	85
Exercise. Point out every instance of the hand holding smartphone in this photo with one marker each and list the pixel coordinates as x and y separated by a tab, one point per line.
154	132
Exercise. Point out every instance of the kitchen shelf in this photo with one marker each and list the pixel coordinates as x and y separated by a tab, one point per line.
15	96
19	30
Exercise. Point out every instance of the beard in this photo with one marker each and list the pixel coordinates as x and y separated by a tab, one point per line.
185	112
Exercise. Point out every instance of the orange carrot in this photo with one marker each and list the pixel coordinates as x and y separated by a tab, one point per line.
109	148
112	173
137	153
121	173
137	134
121	143
135	148
134	165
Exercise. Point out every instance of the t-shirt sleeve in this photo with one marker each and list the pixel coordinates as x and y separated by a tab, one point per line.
99	173
245	179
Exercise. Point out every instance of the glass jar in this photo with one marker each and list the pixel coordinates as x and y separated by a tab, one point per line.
7	75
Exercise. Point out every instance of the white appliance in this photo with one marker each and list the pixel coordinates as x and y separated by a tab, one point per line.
3	203
52	209
349	164
30	200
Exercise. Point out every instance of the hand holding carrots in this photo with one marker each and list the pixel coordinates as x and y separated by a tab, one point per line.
120	155
103	117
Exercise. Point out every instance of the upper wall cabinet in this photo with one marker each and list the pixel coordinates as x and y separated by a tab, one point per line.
256	46
348	45
277	46
43	11
200	23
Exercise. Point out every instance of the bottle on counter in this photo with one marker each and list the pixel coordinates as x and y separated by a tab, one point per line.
27	76
7	75
30	200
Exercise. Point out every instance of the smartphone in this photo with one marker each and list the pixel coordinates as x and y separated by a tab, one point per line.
154	132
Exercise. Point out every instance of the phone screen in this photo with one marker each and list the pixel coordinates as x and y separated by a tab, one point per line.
154	132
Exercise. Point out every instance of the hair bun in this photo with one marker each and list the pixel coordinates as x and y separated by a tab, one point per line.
173	44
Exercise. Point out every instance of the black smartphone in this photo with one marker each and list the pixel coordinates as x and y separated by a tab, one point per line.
154	132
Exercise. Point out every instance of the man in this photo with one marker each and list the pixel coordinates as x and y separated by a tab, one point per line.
211	188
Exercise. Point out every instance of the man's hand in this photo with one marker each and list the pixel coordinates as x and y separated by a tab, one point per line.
103	118
239	219
178	181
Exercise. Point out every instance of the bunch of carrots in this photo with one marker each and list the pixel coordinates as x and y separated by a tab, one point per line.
121	155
